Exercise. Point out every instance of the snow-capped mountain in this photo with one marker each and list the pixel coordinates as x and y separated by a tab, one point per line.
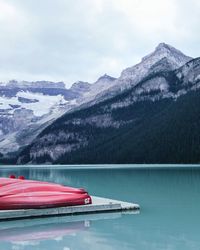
27	107
174	57
111	131
164	55
163	58
156	76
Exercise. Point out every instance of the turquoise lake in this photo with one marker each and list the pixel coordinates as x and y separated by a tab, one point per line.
169	219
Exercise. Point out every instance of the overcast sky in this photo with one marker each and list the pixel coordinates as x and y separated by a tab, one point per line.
70	40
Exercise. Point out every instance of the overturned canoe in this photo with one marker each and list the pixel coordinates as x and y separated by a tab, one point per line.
25	194
43	200
19	187
7	181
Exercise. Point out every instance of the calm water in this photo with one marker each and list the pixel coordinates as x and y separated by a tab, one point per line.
169	218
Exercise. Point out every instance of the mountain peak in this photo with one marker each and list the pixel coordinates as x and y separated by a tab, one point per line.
166	48
163	46
80	86
164	57
163	50
106	77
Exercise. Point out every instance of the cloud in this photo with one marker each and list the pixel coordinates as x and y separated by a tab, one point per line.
74	40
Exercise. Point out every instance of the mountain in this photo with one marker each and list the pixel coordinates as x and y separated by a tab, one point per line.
26	108
80	87
104	83
174	57
153	117
164	56
37	84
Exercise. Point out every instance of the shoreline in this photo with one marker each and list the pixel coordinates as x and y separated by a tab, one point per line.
105	166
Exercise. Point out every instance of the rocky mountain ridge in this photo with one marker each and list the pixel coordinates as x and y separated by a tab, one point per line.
80	136
163	74
28	107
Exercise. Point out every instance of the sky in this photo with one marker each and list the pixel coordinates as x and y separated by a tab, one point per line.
72	40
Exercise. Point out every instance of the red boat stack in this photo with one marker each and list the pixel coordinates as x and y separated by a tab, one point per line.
26	194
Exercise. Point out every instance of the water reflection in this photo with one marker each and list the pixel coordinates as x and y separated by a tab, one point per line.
32	232
42	231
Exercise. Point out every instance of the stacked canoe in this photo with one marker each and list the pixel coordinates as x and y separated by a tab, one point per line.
27	194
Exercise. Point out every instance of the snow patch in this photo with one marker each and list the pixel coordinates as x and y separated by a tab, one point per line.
42	107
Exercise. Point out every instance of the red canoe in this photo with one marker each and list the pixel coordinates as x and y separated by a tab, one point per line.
19	187
7	181
27	194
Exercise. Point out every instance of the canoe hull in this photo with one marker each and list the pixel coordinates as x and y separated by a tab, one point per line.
24	187
34	194
46	203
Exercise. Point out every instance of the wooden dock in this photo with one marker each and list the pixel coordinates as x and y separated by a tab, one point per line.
99	205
